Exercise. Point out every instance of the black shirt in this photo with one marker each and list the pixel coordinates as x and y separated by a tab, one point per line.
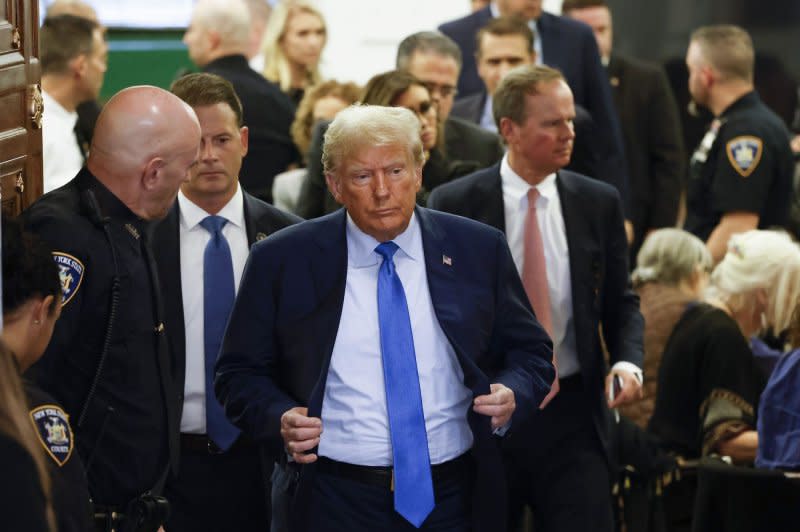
748	167
125	438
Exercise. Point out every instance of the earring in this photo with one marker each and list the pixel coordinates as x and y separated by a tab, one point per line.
36	322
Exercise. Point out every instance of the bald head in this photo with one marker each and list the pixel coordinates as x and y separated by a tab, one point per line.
145	142
72	7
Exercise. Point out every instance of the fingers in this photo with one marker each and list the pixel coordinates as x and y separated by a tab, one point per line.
300	433
630	391
499	405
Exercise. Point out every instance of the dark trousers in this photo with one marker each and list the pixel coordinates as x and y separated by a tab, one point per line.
219	492
343	505
562	471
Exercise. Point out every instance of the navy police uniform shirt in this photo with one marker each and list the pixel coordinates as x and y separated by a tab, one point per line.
70	492
126	437
744	163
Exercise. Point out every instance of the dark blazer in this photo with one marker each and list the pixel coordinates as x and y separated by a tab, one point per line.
570	46
651	127
278	345
268	114
598	257
591	150
467	148
261	220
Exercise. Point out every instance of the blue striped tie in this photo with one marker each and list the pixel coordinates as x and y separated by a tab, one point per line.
413	486
218	295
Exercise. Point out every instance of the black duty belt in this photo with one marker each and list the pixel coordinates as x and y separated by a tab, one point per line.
383	476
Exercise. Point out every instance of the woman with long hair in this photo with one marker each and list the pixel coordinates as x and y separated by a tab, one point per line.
293	42
31	305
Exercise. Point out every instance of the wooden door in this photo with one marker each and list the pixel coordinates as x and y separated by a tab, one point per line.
20	105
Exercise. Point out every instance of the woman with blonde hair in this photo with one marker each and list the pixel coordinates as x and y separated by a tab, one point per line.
293	42
672	270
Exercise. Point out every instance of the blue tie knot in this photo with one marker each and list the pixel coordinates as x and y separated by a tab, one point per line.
213	224
387	250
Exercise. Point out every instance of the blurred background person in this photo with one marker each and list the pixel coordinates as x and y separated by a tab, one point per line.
672	270
218	39
31	305
293	42
260	11
74	59
708	382
320	102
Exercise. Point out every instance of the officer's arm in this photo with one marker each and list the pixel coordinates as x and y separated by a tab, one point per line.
730	224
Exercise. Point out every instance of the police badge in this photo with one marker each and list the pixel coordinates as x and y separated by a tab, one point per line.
70	272
55	434
744	153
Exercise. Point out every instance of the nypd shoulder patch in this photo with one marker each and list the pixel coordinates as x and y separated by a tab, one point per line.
54	432
70	272
744	153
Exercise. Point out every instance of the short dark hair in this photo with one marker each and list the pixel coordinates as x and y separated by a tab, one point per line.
201	89
28	268
63	38
426	42
569	5
511	25
509	98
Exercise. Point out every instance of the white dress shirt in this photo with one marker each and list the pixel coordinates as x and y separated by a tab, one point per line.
556	255
193	240
487	116
61	156
354	416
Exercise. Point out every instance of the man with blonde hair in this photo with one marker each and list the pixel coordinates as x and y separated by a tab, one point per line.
218	39
740	175
411	387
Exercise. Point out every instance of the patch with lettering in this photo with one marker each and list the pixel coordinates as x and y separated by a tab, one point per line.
70	272
55	434
744	153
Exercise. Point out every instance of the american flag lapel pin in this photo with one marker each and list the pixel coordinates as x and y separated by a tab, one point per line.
447	261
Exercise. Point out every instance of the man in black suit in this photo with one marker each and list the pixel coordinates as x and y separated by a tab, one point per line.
650	126
221	484
218	39
505	43
566	234
435	60
558	42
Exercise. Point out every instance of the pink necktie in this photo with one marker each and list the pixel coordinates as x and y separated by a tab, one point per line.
534	278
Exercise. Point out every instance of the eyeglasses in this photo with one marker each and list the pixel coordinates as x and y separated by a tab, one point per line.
423	108
444	91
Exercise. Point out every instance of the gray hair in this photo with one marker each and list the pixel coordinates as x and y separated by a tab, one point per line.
669	256
760	260
359	126
426	42
228	18
727	49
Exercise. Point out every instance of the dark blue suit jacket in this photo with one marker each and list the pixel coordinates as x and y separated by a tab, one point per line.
570	46
598	259
282	330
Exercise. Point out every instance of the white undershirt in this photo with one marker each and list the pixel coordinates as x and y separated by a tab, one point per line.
61	155
193	240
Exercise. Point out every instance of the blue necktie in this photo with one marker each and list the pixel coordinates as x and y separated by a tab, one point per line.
218	295
413	486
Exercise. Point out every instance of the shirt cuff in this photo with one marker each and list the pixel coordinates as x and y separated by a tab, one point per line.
501	431
630	367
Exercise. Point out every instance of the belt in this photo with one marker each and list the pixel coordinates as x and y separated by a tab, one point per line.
383	476
202	444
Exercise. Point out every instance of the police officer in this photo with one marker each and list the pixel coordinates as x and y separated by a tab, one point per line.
740	175
31	306
108	361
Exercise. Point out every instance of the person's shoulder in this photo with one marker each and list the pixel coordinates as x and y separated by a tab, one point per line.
473	21
51	424
468	131
638	67
292	240
58	218
259	209
464	184
565	24
453	224
593	188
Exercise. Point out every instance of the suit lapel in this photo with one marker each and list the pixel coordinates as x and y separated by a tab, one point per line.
489	200
329	275
166	246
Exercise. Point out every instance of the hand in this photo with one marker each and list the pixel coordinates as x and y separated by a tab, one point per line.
499	405
300	433
629	231
631	388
